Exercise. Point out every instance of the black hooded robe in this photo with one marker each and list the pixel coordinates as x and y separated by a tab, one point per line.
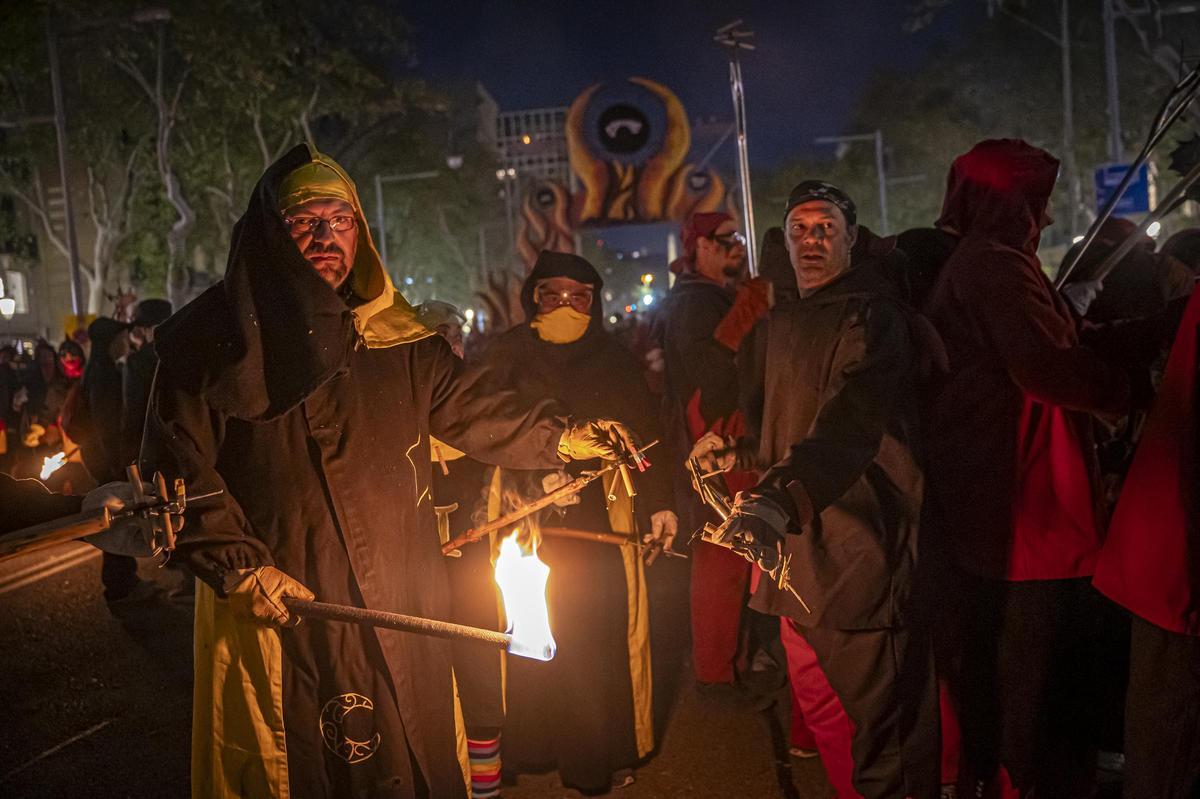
321	445
579	711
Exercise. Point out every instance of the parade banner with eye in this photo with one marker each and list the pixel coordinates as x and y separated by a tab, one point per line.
545	221
627	144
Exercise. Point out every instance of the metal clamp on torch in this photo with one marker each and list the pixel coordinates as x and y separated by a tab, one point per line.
163	509
715	497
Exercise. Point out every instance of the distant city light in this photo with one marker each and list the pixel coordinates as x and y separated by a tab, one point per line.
630	308
1077	239
1154	229
647	301
647	279
613	319
408	281
526	139
469	313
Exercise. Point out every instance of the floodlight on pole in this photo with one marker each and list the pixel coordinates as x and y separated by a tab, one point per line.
733	39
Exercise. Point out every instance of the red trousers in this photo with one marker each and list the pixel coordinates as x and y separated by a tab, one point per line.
823	713
718	590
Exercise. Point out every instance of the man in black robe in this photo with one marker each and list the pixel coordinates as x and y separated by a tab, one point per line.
841	496
304	387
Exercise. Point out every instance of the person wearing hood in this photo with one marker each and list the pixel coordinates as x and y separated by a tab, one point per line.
97	430
703	321
840	495
1013	477
589	710
303	386
138	375
1141	285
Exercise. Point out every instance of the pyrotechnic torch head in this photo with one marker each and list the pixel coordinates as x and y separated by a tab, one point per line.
522	579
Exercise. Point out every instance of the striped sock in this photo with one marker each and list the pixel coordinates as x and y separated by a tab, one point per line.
485	767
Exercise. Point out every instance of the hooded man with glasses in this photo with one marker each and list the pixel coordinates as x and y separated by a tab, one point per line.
306	389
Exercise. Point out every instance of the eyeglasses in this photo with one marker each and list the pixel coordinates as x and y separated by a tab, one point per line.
730	240
310	224
580	300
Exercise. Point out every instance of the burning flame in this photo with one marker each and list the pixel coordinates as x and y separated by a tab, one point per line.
52	463
522	580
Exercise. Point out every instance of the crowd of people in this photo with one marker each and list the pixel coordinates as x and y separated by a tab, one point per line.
963	517
73	415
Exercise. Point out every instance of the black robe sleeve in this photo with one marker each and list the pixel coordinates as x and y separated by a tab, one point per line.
183	437
707	365
473	410
872	363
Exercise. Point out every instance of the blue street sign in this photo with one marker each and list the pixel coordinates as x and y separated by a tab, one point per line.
1136	199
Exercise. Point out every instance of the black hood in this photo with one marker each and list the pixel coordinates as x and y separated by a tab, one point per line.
272	331
561	264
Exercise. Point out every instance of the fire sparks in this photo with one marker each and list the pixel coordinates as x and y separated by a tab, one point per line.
522	580
51	464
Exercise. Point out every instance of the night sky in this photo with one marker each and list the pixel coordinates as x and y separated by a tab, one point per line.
803	81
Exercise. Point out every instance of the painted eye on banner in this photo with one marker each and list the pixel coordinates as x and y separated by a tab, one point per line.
624	122
623	129
698	182
545	198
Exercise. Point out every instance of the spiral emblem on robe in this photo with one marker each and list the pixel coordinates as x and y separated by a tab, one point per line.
345	721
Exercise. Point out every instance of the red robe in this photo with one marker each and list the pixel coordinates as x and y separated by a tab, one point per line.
1150	564
1012	468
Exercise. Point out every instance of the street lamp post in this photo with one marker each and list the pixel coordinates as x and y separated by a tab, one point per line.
60	135
507	176
880	169
381	217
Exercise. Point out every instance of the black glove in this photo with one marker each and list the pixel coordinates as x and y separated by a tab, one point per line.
754	530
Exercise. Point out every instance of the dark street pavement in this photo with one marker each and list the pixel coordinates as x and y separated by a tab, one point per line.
98	705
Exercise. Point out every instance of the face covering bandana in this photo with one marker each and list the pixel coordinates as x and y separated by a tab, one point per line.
561	326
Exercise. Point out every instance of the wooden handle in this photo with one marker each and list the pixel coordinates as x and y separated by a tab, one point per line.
48	534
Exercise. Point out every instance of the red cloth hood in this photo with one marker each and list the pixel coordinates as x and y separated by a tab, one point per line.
1150	564
999	190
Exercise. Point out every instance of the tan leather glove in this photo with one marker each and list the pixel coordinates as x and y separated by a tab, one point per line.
595	438
714	453
556	480
258	597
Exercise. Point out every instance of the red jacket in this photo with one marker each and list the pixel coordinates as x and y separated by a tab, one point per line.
1150	564
1011	461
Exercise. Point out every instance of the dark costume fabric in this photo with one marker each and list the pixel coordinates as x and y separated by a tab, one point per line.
461	497
1013	473
702	395
313	412
1150	565
588	710
101	445
836	385
137	380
